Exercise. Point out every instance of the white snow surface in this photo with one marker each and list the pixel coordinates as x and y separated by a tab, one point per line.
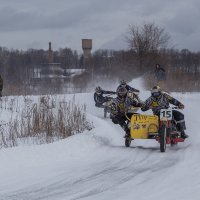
95	165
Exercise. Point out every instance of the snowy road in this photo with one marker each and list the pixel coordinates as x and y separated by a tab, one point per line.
95	165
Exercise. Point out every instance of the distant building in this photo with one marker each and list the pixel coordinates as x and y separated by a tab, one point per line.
53	75
49	72
50	54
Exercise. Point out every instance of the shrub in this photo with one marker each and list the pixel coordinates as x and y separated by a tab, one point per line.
46	121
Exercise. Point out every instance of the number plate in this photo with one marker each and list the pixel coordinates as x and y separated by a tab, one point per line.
166	114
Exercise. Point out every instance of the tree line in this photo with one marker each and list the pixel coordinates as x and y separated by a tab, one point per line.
148	45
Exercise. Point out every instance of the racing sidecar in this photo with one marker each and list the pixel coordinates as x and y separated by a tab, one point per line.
162	128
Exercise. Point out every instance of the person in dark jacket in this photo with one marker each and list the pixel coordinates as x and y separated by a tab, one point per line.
159	100
121	105
123	83
99	97
1	86
160	76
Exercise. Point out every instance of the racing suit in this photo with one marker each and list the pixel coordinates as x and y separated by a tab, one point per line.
100	98
129	88
156	104
119	111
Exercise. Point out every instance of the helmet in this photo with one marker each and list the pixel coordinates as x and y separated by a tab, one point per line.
156	91
121	92
123	83
98	90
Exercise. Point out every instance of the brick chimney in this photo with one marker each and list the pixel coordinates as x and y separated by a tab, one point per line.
50	57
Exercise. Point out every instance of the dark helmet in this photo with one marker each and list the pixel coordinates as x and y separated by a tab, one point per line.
123	83
156	91
122	92
98	90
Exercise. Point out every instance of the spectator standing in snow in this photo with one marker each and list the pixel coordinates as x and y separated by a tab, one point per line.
160	76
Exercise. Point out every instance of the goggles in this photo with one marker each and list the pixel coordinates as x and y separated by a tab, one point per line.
156	94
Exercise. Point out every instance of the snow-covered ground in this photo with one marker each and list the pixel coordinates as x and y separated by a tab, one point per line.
95	165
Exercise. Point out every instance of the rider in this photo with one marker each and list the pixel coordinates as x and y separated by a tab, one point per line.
99	98
120	106
132	93
123	83
159	100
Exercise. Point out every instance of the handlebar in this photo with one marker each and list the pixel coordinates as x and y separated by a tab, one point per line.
175	107
108	95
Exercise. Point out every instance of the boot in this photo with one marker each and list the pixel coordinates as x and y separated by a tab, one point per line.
181	126
127	130
184	135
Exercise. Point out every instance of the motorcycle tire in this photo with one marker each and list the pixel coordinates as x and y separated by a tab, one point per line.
127	142
162	135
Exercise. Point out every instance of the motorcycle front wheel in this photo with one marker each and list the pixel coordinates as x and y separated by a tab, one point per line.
162	135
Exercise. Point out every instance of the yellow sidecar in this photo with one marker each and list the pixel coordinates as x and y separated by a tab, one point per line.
142	127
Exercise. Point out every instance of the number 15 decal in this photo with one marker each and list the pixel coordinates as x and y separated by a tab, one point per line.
166	113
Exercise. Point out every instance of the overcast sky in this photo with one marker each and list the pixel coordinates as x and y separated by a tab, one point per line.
28	24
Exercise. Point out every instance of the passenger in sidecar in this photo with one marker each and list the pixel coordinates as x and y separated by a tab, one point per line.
123	106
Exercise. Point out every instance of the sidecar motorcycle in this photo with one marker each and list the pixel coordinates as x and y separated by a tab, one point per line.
161	128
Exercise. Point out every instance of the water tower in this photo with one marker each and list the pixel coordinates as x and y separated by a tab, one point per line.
87	47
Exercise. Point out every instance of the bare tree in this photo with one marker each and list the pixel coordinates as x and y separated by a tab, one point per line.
146	40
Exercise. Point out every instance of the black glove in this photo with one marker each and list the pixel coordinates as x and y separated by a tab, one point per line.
181	106
140	104
144	108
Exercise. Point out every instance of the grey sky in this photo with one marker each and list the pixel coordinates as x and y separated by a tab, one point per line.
28	24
